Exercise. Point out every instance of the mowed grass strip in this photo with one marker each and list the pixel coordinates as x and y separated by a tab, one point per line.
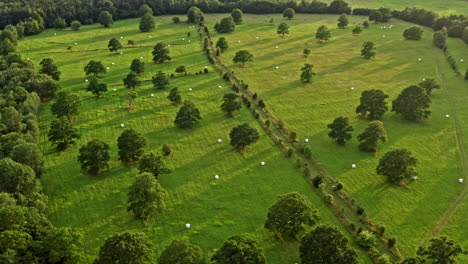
216	209
407	213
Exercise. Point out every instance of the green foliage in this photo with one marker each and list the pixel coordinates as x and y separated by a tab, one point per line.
62	133
289	215
306	52
412	103
343	21
17	179
283	29
174	96
376	16
94	67
60	23
181	251
367	50
307	73
242	56
147	23
326	244
166	150
114	45
413	33
323	33
181	69
131	81
369	139
289	13
238	249
226	25
366	239
160	80
237	15
137	66
465	35
188	116
127	247
146	197
429	84
195	15
105	19
365	24
75	25
242	136
131	146
154	164
6	47
131	42
231	103
66	104
49	68
29	154
397	165
372	104
161	53
357	30
64	245
340	130
96	87
176	20
94	156
222	44
145	9
439	39
441	251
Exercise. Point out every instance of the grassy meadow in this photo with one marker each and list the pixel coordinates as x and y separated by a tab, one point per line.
408	213
236	203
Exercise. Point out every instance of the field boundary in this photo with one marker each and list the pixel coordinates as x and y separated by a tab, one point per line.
340	203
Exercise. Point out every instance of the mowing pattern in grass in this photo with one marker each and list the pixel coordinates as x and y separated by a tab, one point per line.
408	213
446	7
216	209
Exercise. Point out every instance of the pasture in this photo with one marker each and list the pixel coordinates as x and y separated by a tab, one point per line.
216	209
409	213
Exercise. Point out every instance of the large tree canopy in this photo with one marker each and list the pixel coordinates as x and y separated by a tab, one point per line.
238	249
128	247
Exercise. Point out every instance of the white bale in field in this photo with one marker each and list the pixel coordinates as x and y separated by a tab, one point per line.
108	68
447	116
277	47
187	225
352	88
121	53
420	59
122	125
277	67
113	63
190	89
152	95
414	177
353	166
114	89
220	86
216	177
220	140
141	58
306	140
76	43
460	180
86	80
55	34
262	163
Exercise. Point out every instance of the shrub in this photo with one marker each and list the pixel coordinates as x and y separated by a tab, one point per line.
366	239
289	153
166	149
280	124
360	210
268	122
298	163
307	152
338	186
329	198
391	242
75	25
176	20
205	70
413	33
317	181
307	172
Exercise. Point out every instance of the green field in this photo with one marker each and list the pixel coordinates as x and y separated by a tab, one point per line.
407	213
443	7
236	203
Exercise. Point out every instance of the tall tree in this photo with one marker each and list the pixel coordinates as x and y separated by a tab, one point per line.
96	87
343	21
131	81
307	73
323	33
413	33
441	251
29	154
429	84
62	133
154	164
397	165
137	66
195	15
231	103
105	19
222	44
95	68
243	136
66	104
376	16
94	156
114	45
146	197
160	80
369	139
174	96
226	25
64	245
289	13
326	244
131	146
180	251
283	29
237	15
49	68
128	247
147	23
6	47
17	179
238	249
242	56
145	9
340	130
357	30
439	39
75	25
60	23
373	104
413	103
161	53
289	215
188	116
367	50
